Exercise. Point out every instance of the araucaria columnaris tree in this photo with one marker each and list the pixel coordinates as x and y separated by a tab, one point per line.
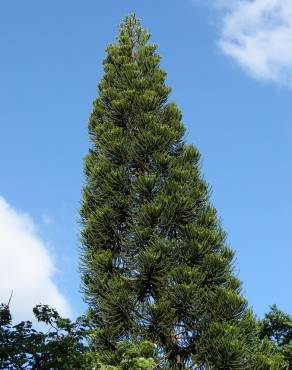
154	261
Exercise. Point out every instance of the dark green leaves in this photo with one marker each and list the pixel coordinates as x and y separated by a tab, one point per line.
62	346
154	260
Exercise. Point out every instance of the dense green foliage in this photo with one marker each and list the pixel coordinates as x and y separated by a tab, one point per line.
157	273
277	327
155	263
68	345
63	345
22	347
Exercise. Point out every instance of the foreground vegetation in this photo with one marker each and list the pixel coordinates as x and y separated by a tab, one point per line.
70	345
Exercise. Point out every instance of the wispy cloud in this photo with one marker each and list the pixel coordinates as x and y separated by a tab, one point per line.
47	219
25	266
258	35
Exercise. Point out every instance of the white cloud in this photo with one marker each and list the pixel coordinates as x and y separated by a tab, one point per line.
258	35
25	266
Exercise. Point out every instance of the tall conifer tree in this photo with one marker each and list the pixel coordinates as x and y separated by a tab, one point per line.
155	263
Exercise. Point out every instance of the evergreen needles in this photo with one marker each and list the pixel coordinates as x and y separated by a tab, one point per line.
154	259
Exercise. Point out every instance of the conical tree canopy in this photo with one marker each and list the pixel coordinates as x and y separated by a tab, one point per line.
155	263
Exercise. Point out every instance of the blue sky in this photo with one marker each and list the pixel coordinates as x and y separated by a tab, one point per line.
230	70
